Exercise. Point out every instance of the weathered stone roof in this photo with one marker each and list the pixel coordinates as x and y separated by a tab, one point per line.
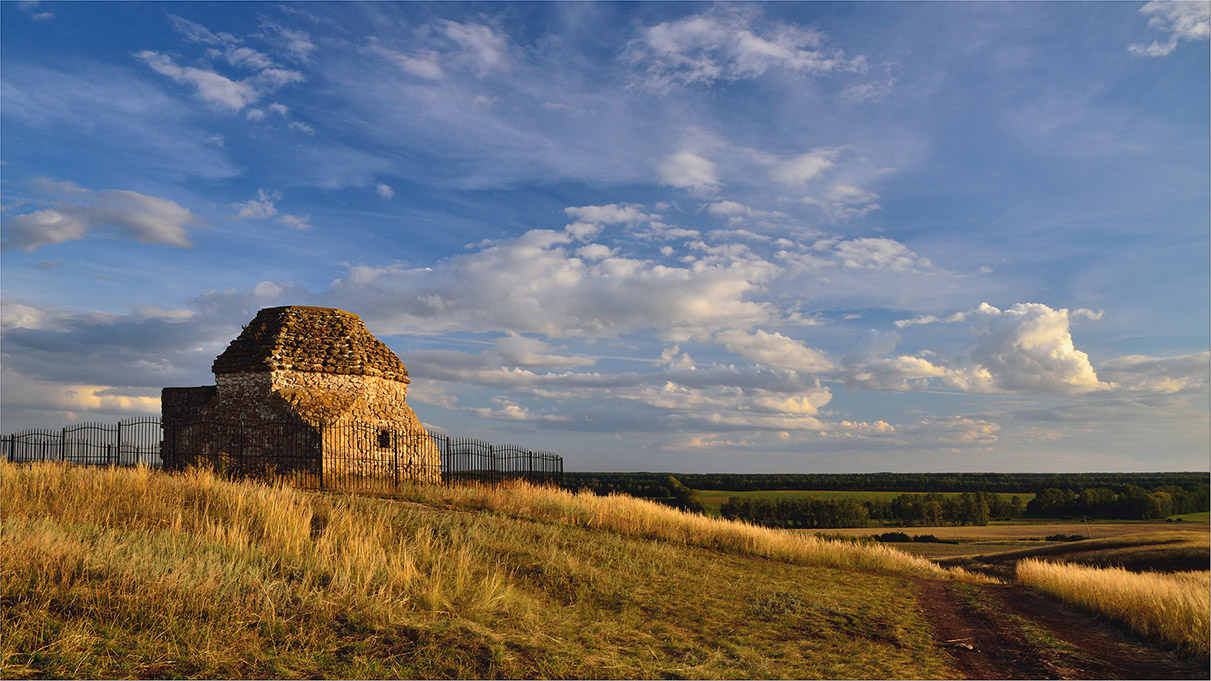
316	339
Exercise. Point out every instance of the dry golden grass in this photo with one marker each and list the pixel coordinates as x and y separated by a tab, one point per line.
642	518
135	573
1172	608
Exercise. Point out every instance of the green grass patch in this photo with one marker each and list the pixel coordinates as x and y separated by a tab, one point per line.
1201	517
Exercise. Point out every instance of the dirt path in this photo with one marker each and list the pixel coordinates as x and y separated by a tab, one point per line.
1010	632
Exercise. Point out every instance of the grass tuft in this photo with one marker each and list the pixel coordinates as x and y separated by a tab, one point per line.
1173	608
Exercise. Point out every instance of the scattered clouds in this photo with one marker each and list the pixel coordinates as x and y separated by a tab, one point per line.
802	169
198	33
425	66
881	254
61	365
658	320
870	91
736	213
80	213
260	207
487	47
688	170
301	222
1182	21
729	46
264	206
611	214
450	46
31	6
1186	374
211	87
930	319
214	87
534	284
775	350
296	42
841	201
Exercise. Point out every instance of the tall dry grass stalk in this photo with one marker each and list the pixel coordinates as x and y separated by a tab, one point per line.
1172	608
642	518
213	543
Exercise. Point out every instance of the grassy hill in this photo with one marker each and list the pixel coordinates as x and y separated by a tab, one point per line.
136	573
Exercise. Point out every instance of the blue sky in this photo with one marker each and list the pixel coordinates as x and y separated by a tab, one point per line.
687	237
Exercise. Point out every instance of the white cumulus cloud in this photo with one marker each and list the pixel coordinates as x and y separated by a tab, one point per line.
1029	347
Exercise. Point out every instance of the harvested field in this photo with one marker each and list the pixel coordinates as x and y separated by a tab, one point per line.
1012	531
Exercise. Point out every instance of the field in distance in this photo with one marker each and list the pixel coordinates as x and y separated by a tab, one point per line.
1140	546
1026	530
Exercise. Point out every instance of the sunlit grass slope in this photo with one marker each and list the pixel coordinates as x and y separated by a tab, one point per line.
134	573
1174	608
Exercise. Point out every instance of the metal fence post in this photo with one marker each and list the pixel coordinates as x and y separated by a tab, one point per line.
119	439
63	444
323	454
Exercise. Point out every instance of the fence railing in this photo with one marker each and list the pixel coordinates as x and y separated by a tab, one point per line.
350	456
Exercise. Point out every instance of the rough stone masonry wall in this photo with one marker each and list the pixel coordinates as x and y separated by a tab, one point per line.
354	410
394	441
311	340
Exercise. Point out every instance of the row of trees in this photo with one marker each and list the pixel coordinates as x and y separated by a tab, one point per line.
1132	502
968	508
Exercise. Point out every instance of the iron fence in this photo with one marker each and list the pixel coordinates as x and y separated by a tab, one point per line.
128	443
354	456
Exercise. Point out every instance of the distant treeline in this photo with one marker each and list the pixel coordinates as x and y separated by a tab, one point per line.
968	508
636	483
1130	502
1090	495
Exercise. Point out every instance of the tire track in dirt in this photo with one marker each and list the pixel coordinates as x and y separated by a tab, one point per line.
983	633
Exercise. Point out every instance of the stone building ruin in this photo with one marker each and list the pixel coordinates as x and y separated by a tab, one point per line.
334	394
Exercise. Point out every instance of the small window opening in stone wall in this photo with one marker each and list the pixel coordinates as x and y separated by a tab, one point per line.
384	439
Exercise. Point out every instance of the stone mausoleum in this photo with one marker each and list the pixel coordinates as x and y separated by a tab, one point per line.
335	394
